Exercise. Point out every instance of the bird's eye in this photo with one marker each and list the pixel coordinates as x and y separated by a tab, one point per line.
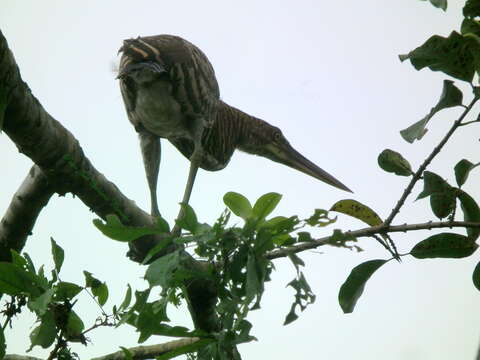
277	135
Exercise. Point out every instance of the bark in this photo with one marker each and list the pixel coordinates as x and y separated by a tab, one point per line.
62	167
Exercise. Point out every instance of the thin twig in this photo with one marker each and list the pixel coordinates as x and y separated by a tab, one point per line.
427	161
369	232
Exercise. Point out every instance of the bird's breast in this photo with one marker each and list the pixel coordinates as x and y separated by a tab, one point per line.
158	111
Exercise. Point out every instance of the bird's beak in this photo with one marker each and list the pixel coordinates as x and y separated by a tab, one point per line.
287	155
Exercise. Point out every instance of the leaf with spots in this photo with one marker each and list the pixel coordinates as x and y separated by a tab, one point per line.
451	56
444	245
471	212
442	195
358	211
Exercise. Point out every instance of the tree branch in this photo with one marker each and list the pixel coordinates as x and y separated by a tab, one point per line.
427	161
371	231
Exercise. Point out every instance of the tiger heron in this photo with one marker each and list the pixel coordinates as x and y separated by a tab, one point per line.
170	91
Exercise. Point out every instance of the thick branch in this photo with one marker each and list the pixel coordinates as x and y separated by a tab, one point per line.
370	231
149	352
26	204
60	158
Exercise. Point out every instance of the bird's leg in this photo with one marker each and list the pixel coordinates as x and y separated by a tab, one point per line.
195	161
151	151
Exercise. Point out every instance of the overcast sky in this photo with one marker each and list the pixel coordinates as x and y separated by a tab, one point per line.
326	73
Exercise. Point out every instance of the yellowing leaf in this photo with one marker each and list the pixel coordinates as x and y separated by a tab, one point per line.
358	211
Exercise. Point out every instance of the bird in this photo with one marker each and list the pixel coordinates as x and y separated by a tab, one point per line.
170	91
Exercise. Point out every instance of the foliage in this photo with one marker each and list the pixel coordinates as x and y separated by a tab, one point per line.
236	261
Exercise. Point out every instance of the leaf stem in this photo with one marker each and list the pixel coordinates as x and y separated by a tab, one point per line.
427	161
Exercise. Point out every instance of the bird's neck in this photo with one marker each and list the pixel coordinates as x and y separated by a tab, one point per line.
237	126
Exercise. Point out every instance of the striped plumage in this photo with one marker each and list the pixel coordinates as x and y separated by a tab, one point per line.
170	91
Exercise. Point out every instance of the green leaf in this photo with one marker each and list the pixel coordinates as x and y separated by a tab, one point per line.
393	162
115	230
451	56
442	4
99	289
44	334
471	212
66	291
303	297
3	345
188	219
320	218
127	353
451	96
17	281
40	304
353	287
75	326
254	286
266	204
444	245
3	108
58	255
415	131
358	211
462	169
127	299
476	276
190	348
168	271
442	195
239	204
471	9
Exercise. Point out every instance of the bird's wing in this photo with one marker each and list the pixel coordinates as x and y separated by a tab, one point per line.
194	85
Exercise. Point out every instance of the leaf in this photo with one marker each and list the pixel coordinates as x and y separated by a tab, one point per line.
190	348
442	195
462	169
358	211
127	353
353	287
40	304
471	212
451	96
444	245
471	9
66	291
3	108
58	255
188	219
451	56
320	218
3	345
166	271
17	281
127	299
44	334
99	289
476	276
393	162
239	204
442	4
254	286
415	131
115	230
303	297
266	204
75	327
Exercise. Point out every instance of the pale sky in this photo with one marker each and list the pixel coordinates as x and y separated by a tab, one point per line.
327	73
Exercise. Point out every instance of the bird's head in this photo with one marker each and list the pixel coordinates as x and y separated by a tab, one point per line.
268	141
